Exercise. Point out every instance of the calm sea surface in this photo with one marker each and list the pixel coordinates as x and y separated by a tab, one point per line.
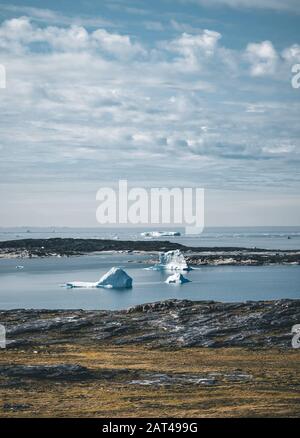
39	284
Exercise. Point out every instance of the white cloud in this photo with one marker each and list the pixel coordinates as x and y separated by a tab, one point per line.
292	54
19	33
185	27
49	16
262	57
193	48
120	45
276	5
188	45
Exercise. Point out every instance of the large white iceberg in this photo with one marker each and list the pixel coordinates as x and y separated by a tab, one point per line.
116	278
172	261
177	279
160	234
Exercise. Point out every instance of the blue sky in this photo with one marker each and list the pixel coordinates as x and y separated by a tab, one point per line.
162	93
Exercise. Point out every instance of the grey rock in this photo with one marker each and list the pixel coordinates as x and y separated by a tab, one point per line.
16	407
63	371
171	323
205	379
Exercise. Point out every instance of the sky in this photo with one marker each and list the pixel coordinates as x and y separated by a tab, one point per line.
168	93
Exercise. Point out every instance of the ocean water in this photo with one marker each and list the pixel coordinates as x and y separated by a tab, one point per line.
260	237
39	283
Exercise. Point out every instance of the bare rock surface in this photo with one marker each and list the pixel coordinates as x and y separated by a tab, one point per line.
171	323
61	371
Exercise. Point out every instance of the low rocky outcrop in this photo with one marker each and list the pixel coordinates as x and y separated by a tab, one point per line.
57	372
204	379
194	256
137	377
171	324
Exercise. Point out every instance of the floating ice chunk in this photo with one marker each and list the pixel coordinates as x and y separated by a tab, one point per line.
20	267
172	261
115	278
177	279
160	234
82	284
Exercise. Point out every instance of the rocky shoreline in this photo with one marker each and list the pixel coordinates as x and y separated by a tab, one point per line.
196	256
245	258
169	324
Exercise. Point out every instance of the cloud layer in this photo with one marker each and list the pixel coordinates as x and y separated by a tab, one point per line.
276	5
101	104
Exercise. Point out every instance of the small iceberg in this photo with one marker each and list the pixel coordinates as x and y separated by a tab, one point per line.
160	234
172	261
19	267
176	279
116	278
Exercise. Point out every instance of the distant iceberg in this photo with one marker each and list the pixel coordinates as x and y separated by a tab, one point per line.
160	234
116	278
176	279
172	261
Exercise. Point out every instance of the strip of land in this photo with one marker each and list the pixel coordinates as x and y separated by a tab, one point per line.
58	247
171	358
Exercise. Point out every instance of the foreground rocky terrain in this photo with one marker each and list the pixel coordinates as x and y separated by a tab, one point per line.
149	361
28	248
67	380
171	323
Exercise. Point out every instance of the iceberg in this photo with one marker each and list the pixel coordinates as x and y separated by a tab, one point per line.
172	261
160	234
115	278
176	279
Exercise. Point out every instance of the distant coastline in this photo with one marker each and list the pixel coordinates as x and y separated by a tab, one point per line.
225	255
